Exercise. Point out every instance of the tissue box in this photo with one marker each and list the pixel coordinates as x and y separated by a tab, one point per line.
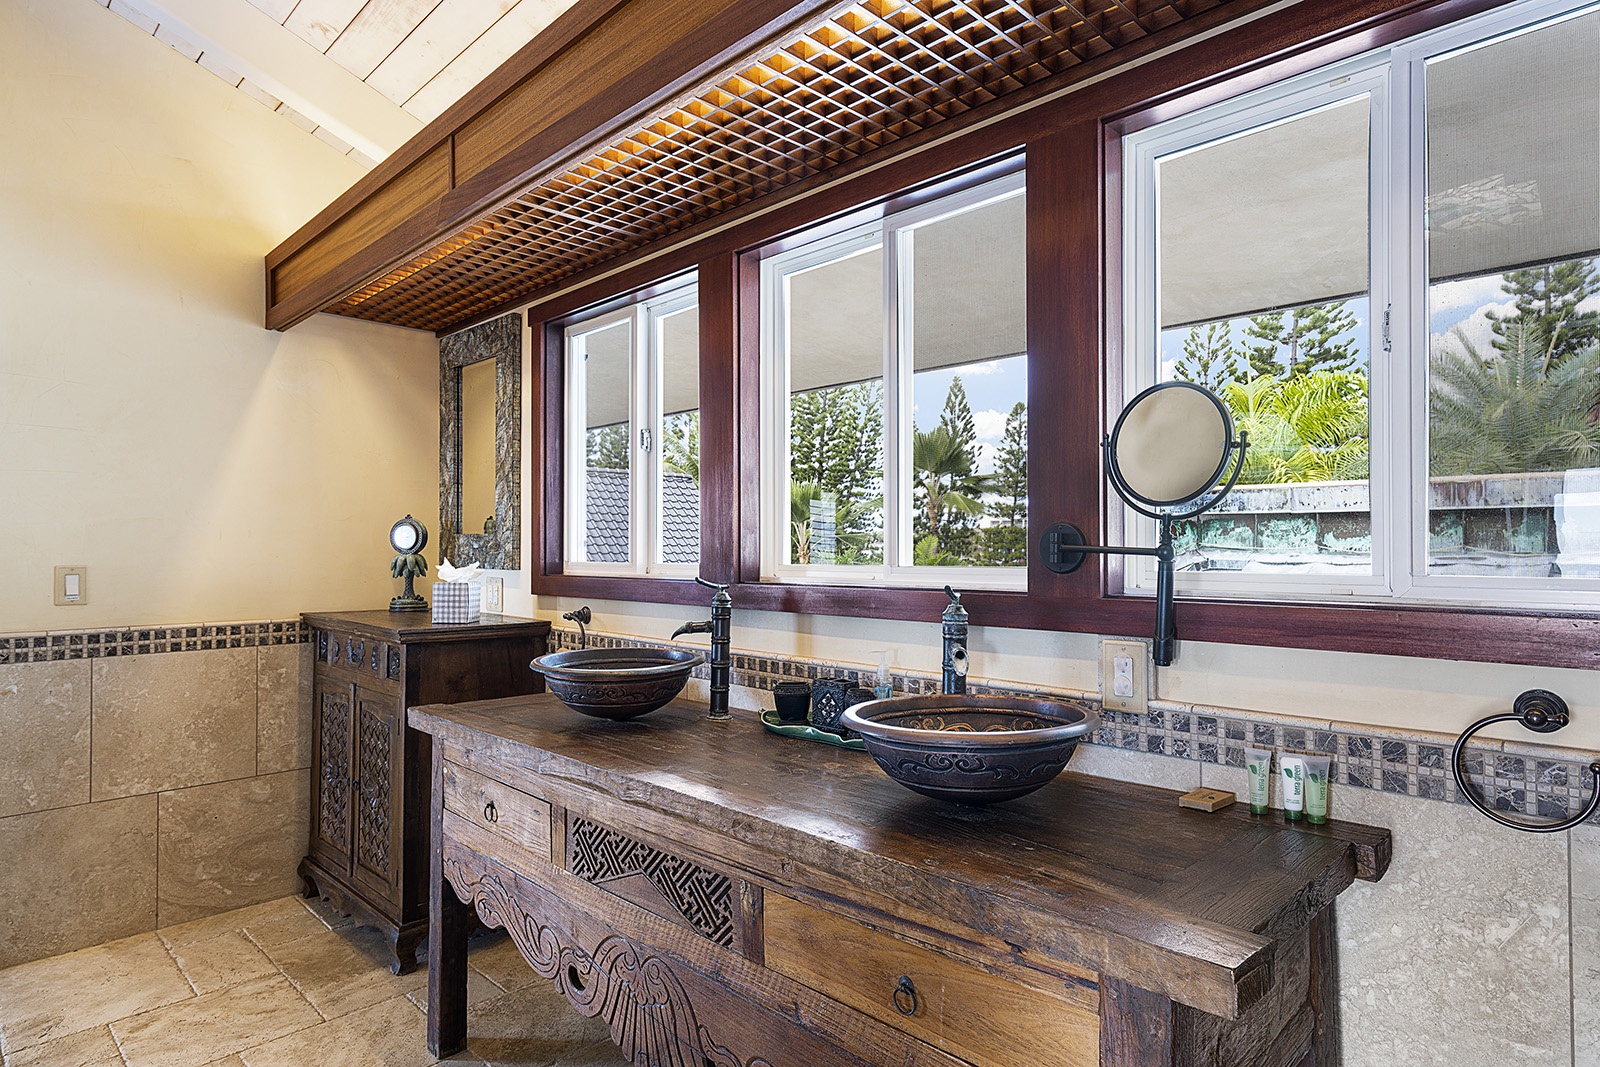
456	601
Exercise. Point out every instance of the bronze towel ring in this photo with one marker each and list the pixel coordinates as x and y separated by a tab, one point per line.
1542	712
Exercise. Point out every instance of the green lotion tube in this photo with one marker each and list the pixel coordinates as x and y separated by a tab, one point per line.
1258	762
1317	789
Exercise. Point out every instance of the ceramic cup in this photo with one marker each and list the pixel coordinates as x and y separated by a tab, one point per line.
793	700
828	702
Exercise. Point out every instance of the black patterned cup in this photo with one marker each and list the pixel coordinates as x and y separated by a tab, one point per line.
828	702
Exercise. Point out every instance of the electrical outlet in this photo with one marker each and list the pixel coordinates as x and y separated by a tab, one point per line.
1124	675
494	595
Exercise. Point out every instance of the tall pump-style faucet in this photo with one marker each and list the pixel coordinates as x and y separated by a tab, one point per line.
955	644
720	627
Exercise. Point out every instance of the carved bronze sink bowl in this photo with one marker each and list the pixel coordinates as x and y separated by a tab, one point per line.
617	683
970	749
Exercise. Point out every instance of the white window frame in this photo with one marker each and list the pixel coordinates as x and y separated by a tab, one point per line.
1398	283
892	235
644	416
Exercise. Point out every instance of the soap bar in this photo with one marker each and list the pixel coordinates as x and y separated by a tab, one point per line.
1206	799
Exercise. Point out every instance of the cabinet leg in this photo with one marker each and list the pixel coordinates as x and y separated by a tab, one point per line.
403	949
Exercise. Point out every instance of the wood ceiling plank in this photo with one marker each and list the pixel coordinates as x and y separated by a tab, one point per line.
492	48
276	10
447	32
376	32
320	22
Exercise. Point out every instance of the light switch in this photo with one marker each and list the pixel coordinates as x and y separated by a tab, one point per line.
72	586
494	595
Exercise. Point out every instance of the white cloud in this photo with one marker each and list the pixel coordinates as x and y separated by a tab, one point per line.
977	370
1475	328
990	425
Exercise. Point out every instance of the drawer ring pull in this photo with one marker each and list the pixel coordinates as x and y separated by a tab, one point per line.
489	813
905	996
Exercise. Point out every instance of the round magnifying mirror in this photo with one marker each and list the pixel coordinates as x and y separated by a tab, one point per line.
1170	444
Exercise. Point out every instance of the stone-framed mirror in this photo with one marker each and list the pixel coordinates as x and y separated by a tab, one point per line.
480	445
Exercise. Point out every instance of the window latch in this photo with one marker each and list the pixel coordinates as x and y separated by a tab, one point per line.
1388	342
644	439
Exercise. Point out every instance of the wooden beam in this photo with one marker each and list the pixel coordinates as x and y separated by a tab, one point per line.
601	67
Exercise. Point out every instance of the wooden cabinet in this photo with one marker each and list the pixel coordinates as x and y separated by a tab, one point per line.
370	773
725	897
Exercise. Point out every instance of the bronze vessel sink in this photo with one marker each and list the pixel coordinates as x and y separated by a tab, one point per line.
970	749
617	683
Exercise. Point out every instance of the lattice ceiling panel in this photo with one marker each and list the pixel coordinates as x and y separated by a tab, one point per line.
871	74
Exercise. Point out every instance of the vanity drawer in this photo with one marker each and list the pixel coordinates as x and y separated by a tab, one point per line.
503	811
984	1019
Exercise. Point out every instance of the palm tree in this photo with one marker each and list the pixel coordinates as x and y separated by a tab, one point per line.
1308	428
1521	408
945	478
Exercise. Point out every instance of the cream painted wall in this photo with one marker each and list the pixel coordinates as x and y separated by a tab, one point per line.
202	467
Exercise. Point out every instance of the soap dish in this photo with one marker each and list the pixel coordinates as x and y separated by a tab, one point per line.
805	732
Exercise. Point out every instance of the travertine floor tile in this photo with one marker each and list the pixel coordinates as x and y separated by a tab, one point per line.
215	1025
392	1033
479	990
231	921
343	971
534	1027
600	1054
330	917
494	955
293	925
87	1048
219	962
50	998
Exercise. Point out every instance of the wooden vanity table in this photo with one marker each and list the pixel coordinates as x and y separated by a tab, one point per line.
724	897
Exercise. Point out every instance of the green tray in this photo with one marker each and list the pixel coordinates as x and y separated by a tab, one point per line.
769	719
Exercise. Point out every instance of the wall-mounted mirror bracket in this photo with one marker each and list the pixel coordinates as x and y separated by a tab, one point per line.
1169	458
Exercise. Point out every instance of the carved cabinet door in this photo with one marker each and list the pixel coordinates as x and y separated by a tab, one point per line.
377	758
332	812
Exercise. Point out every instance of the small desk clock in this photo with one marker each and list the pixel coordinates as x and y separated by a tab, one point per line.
408	537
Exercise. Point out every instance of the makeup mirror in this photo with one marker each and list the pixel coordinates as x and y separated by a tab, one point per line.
480	445
1171	455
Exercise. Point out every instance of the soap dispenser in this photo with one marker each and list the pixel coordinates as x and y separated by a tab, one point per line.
884	689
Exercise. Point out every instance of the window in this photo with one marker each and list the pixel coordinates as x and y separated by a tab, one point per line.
1387	270
632	479
894	384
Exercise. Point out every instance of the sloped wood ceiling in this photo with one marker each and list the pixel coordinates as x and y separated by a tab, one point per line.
830	93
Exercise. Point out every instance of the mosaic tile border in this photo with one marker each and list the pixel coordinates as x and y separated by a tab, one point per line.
56	645
1530	779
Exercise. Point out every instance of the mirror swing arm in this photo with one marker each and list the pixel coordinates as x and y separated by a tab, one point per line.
1062	546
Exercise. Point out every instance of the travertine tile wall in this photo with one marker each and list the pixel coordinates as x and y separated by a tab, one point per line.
147	781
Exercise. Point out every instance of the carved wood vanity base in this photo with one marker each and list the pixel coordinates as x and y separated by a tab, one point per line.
726	898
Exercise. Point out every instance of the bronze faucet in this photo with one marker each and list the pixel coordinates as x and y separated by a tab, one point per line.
720	627
955	644
582	617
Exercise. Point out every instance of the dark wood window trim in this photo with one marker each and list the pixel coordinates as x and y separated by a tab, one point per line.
1073	174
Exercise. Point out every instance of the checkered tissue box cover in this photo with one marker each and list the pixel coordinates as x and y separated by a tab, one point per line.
457	601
